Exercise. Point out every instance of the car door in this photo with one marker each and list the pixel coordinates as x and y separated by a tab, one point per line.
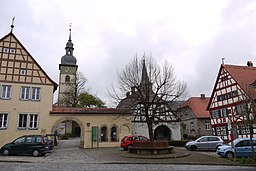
202	143
29	145
18	144
243	149
212	143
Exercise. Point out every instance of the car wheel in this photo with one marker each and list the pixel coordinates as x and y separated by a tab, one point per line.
229	155
193	148
6	152
35	153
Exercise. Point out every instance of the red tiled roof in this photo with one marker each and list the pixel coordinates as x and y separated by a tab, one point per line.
73	110
198	106
244	75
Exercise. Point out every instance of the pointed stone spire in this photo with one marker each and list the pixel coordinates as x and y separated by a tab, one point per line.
69	59
144	77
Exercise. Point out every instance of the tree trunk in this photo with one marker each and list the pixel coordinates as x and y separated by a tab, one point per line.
150	131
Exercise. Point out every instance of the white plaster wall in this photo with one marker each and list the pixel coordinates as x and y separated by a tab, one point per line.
142	129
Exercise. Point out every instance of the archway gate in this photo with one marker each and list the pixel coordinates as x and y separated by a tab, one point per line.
90	122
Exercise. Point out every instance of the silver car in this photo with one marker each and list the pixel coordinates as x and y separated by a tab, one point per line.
204	143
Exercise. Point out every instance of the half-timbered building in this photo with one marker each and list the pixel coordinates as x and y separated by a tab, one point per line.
227	97
166	123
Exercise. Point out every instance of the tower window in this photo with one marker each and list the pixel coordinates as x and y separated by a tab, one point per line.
67	78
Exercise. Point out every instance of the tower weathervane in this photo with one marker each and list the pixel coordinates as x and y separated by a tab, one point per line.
12	26
70	25
223	60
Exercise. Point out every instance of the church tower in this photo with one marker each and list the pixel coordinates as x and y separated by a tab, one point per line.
67	76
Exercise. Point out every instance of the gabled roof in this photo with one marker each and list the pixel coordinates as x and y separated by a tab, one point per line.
243	75
13	36
198	106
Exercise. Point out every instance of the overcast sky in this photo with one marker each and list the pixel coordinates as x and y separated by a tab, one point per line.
193	35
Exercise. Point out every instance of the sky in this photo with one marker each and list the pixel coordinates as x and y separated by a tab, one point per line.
192	35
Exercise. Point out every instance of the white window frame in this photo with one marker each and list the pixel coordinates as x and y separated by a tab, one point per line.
6	50
33	121
36	93
3	120
22	120
25	95
12	50
6	92
207	125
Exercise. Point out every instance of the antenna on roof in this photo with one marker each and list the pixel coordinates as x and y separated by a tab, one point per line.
12	26
223	60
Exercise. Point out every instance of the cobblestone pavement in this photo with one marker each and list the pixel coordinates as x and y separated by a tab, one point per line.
68	151
68	156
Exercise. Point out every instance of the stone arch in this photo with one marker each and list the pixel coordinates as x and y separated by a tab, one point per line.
71	119
102	136
162	132
124	130
112	134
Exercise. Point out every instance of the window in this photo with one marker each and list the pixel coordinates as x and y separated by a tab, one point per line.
6	50
215	114
33	121
3	120
67	78
22	121
6	92
22	72
103	134
30	139
20	140
207	125
12	50
213	139
30	93
113	134
35	93
24	93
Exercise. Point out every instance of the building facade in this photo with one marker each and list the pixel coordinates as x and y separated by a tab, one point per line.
228	95
26	101
26	92
165	122
195	119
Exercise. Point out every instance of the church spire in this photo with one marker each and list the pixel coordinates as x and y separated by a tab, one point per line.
144	77
69	59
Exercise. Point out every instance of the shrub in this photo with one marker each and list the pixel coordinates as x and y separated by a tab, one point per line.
178	143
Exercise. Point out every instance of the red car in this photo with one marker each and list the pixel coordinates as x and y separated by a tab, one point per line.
128	141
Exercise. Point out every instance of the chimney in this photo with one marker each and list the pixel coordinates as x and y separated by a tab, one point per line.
202	96
249	63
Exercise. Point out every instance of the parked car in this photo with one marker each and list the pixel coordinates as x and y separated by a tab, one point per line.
242	148
204	143
28	144
128	141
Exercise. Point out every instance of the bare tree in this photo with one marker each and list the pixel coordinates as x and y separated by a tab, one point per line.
247	111
148	87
